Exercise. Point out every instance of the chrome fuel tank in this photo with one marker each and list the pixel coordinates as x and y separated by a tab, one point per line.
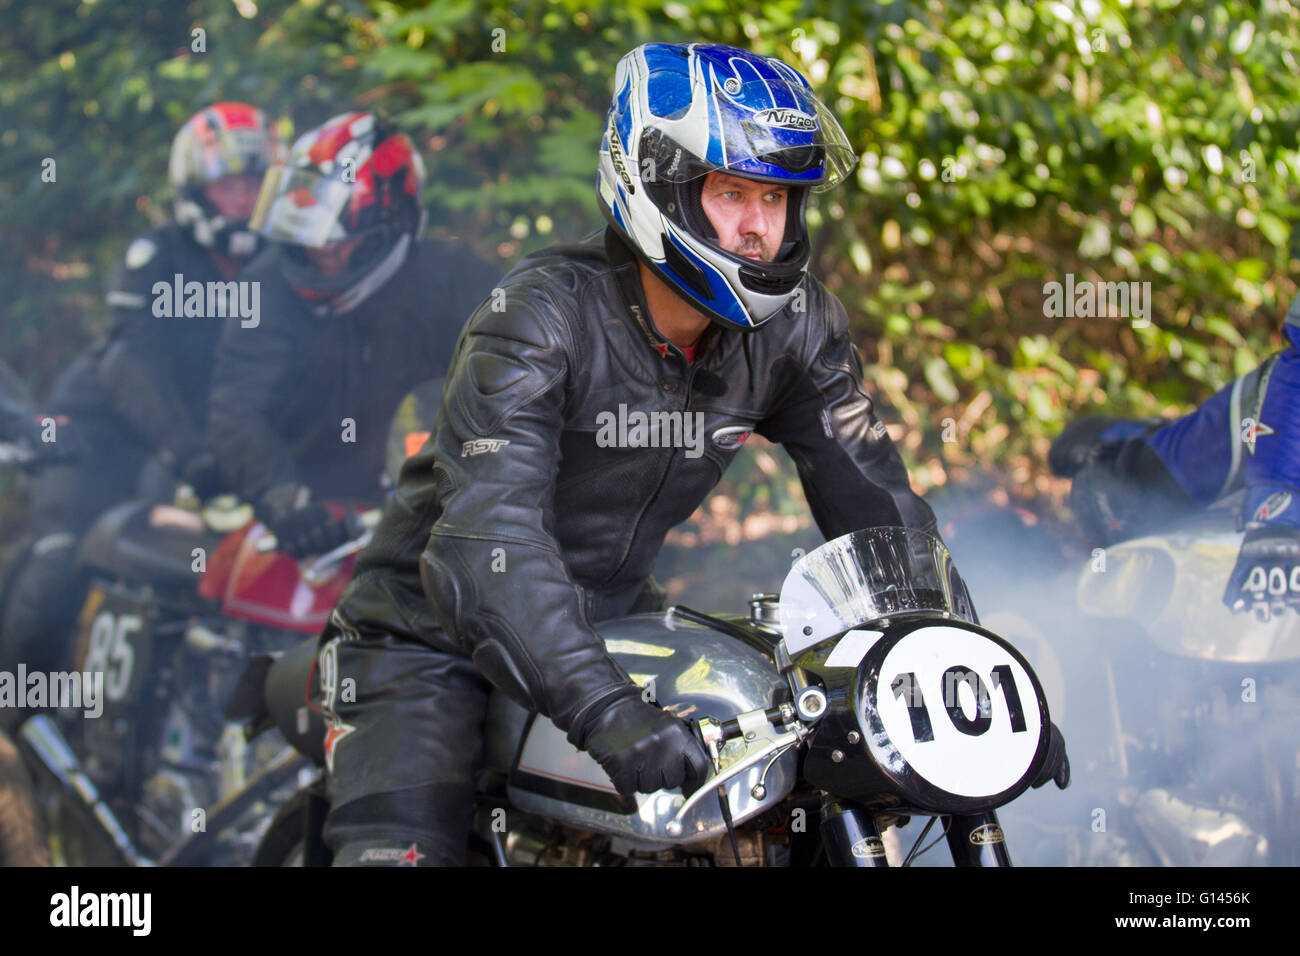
691	671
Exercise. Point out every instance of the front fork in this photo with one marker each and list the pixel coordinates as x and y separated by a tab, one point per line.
852	838
977	840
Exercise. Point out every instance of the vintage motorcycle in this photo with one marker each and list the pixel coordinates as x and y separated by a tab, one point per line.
178	599
861	696
1198	740
1181	716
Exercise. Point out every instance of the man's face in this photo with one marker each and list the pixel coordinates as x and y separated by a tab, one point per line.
749	217
234	196
332	259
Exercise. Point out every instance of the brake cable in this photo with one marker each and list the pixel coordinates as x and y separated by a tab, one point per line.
913	854
725	804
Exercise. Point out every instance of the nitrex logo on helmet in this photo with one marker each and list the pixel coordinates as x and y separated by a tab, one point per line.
786	119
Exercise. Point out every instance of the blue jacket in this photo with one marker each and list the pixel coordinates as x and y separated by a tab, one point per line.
1247	435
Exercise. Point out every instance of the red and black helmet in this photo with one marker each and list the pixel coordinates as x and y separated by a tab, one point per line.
353	177
221	140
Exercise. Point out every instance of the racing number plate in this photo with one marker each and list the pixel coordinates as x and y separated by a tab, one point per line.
114	640
960	711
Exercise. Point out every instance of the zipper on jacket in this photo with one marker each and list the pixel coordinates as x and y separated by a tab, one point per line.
672	458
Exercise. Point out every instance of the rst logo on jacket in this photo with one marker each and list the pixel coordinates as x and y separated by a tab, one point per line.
478	446
731	436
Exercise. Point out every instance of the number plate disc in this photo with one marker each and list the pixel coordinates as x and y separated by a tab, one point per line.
952	710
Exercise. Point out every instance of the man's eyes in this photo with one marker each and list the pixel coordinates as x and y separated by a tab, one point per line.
775	195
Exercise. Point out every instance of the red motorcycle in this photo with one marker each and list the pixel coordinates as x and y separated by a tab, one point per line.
142	767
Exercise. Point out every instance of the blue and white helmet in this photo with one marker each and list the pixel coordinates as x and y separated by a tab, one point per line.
681	111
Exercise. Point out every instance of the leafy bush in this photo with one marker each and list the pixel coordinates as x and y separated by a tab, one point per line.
1004	145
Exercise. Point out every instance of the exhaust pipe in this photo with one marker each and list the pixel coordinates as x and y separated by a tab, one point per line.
44	739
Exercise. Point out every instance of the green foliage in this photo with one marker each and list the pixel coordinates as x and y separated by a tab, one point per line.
1004	144
1007	144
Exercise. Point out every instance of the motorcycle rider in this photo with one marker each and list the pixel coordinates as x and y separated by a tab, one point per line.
1133	477
139	394
533	524
358	307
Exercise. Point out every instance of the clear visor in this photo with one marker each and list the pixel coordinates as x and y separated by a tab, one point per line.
300	207
228	152
866	576
770	130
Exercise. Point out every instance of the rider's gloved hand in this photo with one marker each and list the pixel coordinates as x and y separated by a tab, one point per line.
1073	449
644	748
1266	578
199	471
1057	765
301	526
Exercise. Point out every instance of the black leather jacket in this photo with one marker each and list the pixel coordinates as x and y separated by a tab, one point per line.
531	530
150	373
283	390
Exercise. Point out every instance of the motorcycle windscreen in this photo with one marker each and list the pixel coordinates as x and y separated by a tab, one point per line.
865	576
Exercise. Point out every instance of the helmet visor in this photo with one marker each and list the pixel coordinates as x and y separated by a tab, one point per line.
300	207
769	130
207	154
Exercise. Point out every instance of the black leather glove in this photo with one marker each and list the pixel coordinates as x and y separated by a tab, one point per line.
1266	578
644	748
1071	450
1057	765
1124	490
301	526
199	471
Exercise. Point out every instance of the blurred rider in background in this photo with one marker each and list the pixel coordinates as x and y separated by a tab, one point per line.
358	308
1134	477
139	394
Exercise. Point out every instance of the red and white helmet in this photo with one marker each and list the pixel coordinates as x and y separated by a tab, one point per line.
352	178
221	140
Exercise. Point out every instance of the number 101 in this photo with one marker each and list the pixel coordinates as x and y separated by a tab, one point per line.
907	687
